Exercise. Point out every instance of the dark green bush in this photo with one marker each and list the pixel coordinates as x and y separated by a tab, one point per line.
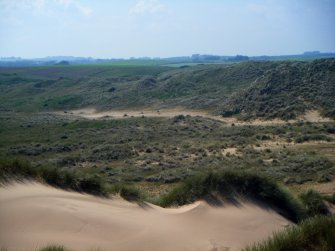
54	248
330	198
313	203
313	234
230	184
130	193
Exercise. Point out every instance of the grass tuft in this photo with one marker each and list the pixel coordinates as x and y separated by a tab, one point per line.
127	192
313	234
54	248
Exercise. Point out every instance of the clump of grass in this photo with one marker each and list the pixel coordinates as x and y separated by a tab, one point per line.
127	192
15	169
313	203
54	248
330	198
232	183
313	234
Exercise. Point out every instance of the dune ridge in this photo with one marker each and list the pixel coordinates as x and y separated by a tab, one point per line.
34	215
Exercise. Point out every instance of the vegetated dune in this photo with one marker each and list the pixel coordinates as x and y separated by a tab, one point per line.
33	215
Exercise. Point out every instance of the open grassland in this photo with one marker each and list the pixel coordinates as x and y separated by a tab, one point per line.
156	152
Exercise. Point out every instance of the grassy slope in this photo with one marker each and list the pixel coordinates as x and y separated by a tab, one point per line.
288	90
110	86
283	89
65	87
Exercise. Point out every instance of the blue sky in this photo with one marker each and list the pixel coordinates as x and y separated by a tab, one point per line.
126	28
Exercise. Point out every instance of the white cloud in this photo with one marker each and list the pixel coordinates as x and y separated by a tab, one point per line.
43	5
147	7
65	3
257	8
85	10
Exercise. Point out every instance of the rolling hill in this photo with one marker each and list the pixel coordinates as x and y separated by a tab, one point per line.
268	89
286	91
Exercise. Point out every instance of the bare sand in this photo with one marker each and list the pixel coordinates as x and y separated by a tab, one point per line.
33	215
92	113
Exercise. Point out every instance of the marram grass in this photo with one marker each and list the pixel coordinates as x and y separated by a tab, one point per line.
313	234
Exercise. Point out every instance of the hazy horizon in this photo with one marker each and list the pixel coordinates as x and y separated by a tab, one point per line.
162	28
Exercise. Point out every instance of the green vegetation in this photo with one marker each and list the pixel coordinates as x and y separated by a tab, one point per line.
174	161
330	198
248	89
63	178
313	234
227	184
313	203
164	151
231	184
54	248
286	91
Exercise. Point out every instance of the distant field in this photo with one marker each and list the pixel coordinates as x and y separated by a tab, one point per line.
81	71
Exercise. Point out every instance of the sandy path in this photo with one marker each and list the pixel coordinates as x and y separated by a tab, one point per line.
32	215
91	113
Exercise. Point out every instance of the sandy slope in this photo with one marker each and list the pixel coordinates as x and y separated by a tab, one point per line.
32	215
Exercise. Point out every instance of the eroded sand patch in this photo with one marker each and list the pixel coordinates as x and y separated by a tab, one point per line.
92	113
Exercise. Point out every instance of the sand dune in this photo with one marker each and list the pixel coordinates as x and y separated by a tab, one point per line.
33	215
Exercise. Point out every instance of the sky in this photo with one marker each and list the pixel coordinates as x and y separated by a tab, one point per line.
164	28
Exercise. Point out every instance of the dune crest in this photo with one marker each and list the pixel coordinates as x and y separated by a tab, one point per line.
33	215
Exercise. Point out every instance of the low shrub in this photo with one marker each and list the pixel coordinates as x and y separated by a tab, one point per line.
311	137
313	234
313	203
